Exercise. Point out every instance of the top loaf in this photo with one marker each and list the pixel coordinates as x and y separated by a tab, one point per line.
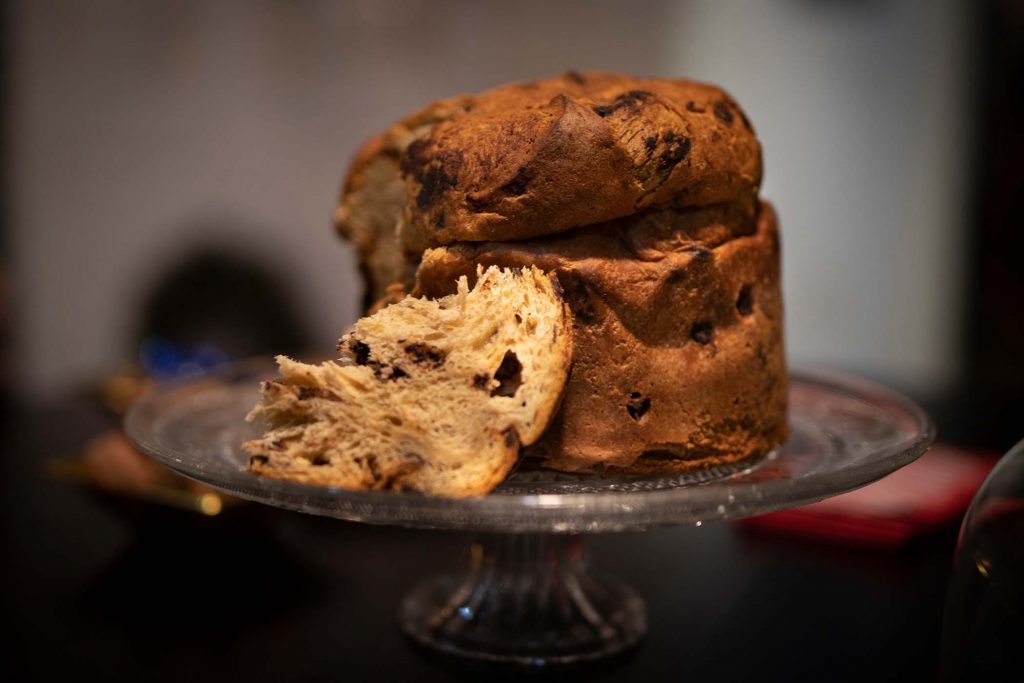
543	157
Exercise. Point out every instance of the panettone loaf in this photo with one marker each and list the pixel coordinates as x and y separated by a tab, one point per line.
678	336
430	395
642	196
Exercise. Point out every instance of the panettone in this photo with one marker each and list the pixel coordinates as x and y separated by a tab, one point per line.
641	195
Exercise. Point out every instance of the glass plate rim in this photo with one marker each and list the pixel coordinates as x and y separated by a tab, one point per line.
565	512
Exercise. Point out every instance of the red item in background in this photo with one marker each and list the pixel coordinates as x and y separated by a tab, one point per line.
927	495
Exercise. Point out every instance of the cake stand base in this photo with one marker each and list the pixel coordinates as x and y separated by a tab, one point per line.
528	599
527	595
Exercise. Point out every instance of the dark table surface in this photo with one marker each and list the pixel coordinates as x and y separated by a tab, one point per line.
95	588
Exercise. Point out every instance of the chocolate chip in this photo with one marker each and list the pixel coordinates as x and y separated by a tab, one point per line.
579	298
361	351
362	356
481	381
435	171
701	333
745	301
650	143
415	157
677	147
509	375
628	99
723	113
694	107
432	185
305	393
426	355
257	460
319	460
637	405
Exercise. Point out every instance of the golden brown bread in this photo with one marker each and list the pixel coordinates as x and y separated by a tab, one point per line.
430	395
642	195
542	157
677	320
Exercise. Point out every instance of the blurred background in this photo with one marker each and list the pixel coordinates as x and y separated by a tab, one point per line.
171	167
141	133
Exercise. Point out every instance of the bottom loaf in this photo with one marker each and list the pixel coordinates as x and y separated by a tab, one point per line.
678	358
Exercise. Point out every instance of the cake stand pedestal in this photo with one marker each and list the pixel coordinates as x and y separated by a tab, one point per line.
525	598
528	595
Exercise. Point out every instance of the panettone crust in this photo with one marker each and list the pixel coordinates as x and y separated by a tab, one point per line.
678	358
543	157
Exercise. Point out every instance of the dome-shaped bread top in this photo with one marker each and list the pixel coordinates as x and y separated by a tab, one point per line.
543	157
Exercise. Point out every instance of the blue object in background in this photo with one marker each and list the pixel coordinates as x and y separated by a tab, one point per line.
162	359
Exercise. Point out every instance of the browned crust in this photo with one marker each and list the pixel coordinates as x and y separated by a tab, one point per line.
358	217
393	142
543	157
669	354
641	196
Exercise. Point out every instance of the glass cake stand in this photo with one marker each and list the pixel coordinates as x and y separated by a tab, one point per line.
528	594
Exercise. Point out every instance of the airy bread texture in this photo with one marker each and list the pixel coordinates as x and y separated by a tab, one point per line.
430	395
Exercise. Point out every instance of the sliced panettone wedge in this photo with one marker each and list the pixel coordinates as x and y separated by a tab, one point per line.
432	395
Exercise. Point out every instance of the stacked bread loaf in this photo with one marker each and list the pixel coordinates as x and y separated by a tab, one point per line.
641	196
